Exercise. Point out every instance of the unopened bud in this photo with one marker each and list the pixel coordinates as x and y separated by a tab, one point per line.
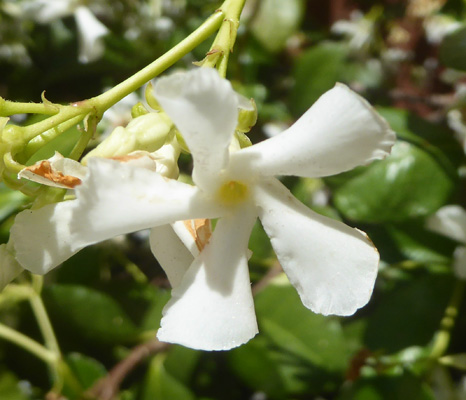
247	116
150	98
146	133
138	110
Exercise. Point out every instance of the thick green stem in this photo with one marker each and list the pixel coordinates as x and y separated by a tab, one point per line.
226	37
7	333
112	96
66	113
442	337
8	108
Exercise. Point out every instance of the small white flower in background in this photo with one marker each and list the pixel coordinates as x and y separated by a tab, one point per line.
359	30
438	26
332	266
90	30
450	221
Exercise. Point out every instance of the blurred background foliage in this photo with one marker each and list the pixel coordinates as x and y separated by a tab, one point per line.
408	58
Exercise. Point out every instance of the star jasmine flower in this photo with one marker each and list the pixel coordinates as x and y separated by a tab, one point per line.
332	266
90	29
450	221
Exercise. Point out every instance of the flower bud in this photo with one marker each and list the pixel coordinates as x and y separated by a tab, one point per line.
150	98
145	133
247	116
138	110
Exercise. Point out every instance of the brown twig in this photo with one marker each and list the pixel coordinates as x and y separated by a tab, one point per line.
107	388
272	273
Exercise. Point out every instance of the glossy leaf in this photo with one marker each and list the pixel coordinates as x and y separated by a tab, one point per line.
91	314
160	384
408	184
87	370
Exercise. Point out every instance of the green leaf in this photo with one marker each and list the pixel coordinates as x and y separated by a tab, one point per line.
10	389
405	386
409	183
181	363
86	369
89	314
409	313
10	201
161	385
256	364
316	71
297	352
453	49
291	326
419	244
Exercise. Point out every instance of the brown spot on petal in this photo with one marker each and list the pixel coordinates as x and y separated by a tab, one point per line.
45	170
200	230
127	157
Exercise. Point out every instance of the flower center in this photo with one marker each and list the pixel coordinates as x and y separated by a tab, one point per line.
233	192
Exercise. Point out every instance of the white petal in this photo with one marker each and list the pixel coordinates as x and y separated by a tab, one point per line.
117	198
204	108
42	238
57	171
339	132
170	252
9	267
449	221
459	264
90	31
332	266
45	11
213	309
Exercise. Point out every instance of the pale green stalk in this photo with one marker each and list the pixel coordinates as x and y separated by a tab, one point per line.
443	335
26	343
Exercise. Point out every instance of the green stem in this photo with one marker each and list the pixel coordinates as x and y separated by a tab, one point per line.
42	317
442	337
21	340
114	95
66	113
8	108
226	37
81	145
47	136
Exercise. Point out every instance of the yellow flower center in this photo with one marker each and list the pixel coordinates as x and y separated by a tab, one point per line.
232	193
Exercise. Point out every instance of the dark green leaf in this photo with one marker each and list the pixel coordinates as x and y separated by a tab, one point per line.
406	386
89	313
453	49
410	313
161	385
87	370
316	71
409	183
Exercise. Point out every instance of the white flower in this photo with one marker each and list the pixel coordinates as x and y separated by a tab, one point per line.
450	221
438	26
90	29
359	30
332	266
